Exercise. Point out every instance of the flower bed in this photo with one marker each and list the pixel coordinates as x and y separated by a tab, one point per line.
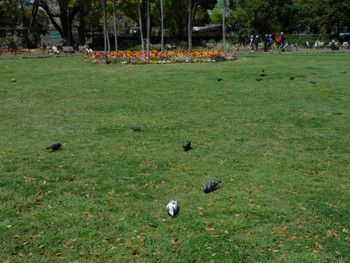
157	57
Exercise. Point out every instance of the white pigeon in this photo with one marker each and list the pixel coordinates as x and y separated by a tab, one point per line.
172	208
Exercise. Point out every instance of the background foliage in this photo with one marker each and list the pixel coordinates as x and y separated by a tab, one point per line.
243	17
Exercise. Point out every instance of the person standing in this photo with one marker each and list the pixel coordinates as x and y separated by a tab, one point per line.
269	42
256	43
266	42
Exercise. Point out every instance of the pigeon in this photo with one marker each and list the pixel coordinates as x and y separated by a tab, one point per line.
262	75
313	81
291	78
262	70
343	72
259	79
137	127
172	208
219	79
54	147
13	80
210	186
187	146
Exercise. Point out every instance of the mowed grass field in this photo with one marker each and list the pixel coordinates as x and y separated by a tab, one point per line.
280	147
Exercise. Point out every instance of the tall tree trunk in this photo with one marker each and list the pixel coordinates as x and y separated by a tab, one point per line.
148	26
105	29
115	7
162	24
189	29
224	27
141	26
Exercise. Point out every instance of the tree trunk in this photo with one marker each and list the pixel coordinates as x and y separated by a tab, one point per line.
115	7
105	29
189	30
148	26
141	26
162	24
224	27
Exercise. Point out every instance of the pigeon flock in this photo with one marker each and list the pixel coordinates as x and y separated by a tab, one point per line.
172	207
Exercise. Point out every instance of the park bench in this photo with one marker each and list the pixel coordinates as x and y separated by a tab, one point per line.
68	49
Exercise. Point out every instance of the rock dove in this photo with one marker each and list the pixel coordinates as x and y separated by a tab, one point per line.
219	79
210	186
13	80
172	208
259	79
291	78
54	147
313	81
137	127
187	146
343	72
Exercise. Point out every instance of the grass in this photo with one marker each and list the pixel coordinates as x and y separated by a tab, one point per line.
279	146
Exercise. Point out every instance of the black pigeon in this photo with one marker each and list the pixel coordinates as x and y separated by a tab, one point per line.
210	186
343	72
137	127
259	79
313	81
187	146
219	79
291	78
54	147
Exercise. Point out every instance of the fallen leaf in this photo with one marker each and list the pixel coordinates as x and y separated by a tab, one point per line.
111	192
317	250
332	233
87	214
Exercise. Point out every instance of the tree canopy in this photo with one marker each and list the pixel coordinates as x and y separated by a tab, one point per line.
75	19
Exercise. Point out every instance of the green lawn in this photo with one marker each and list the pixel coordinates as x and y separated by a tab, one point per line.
280	147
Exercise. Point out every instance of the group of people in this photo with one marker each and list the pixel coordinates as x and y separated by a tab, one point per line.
268	42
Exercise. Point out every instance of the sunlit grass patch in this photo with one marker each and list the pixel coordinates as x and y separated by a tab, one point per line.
280	147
